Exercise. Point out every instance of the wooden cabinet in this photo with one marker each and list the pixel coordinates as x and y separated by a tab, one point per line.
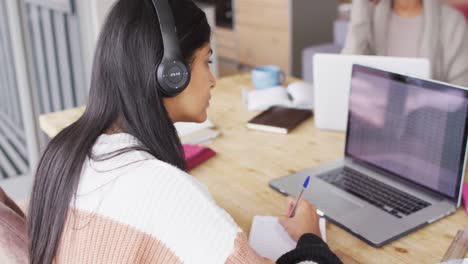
276	31
262	27
226	43
265	46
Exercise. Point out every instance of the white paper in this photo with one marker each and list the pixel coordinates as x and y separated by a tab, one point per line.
302	95
297	95
260	100
269	239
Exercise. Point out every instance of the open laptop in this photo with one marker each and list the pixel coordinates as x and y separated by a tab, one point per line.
404	158
332	75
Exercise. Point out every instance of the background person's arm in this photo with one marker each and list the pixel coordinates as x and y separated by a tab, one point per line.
457	53
360	28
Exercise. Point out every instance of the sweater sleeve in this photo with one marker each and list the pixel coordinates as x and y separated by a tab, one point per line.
359	33
309	248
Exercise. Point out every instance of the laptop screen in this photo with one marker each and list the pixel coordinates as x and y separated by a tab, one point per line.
411	128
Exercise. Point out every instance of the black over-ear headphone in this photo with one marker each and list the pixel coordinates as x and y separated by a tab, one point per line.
173	74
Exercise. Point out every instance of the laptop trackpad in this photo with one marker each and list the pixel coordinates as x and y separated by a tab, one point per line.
341	204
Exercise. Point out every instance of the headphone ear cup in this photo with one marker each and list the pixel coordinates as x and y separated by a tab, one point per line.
173	77
173	74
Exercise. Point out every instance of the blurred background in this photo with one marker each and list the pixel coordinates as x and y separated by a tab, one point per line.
46	49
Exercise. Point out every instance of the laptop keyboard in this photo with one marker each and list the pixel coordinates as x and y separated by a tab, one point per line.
385	197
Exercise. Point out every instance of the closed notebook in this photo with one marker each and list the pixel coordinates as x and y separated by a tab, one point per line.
278	119
194	155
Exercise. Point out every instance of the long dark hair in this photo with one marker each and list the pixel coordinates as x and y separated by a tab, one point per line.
123	90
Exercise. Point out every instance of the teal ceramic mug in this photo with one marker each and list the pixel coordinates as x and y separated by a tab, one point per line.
267	76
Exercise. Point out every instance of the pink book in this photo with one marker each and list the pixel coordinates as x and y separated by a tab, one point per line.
465	196
194	155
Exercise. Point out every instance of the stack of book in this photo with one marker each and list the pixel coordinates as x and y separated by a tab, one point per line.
196	133
195	155
192	135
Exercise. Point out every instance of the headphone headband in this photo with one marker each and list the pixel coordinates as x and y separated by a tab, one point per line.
168	29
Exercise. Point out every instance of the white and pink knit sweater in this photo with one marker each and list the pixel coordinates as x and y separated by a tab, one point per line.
146	212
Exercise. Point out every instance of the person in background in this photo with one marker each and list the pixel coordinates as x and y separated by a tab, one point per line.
412	28
112	187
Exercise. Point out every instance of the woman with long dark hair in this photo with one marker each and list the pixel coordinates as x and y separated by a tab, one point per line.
111	187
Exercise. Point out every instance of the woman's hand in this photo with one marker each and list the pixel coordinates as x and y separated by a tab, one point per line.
304	221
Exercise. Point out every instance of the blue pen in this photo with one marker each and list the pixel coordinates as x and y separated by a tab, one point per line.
304	186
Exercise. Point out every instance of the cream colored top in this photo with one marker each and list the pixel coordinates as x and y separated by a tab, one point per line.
404	36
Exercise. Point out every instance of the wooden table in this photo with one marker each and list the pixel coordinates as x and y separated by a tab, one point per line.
238	176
